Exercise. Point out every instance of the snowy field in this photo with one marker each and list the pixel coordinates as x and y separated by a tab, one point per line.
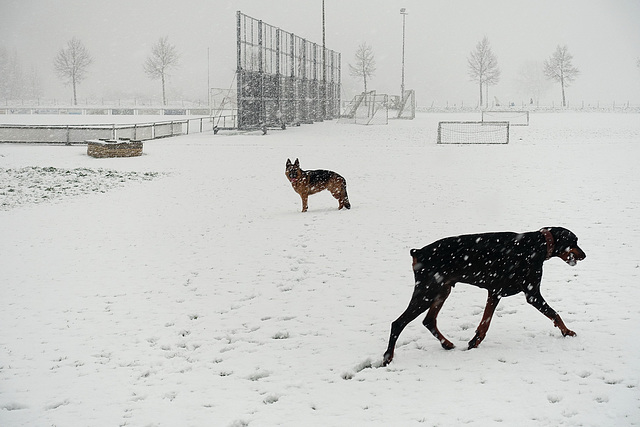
185	288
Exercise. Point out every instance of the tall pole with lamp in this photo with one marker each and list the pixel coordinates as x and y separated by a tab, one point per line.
323	93
403	12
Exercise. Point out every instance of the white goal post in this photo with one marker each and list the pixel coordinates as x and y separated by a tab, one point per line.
514	117
367	109
473	132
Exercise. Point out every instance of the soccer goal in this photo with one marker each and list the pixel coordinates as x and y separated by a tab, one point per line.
367	109
515	118
473	132
224	108
407	105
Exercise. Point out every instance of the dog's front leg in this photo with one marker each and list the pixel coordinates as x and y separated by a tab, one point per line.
419	303
305	204
536	300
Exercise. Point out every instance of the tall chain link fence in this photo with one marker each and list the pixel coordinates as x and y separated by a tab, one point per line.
283	79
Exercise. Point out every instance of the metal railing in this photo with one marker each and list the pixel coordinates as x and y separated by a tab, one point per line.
78	134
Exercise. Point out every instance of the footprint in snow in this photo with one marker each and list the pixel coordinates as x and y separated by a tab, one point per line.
554	398
365	364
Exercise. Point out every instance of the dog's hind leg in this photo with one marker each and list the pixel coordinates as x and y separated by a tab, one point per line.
418	304
483	327
340	194
430	320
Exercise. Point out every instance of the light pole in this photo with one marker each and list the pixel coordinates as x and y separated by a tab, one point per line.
403	12
324	70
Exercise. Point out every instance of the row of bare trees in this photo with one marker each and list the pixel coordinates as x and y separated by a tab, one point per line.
72	64
15	81
483	67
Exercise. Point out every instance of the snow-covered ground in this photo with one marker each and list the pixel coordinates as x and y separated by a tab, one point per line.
185	288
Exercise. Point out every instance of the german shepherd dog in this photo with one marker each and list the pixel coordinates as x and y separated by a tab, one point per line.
306	183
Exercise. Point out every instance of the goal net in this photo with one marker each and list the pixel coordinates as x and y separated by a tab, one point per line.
515	118
367	109
224	107
406	105
473	132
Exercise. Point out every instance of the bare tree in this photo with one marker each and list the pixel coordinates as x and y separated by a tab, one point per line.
483	67
163	58
72	63
33	84
10	74
365	66
531	81
560	69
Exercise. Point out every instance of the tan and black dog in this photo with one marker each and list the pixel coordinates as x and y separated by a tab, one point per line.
504	264
306	183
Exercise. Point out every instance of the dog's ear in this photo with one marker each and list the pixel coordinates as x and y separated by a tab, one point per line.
297	163
288	162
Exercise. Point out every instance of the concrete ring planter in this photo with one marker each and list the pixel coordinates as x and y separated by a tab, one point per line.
113	148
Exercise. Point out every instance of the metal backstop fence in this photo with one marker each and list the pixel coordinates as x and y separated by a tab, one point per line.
282	78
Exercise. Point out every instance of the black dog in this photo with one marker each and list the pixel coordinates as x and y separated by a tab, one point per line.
502	263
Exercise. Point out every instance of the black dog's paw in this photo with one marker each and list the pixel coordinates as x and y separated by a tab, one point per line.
387	358
474	343
447	345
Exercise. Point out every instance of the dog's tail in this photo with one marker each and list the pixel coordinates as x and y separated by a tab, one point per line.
345	197
414	262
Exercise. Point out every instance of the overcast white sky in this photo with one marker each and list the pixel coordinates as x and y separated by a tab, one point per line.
602	35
